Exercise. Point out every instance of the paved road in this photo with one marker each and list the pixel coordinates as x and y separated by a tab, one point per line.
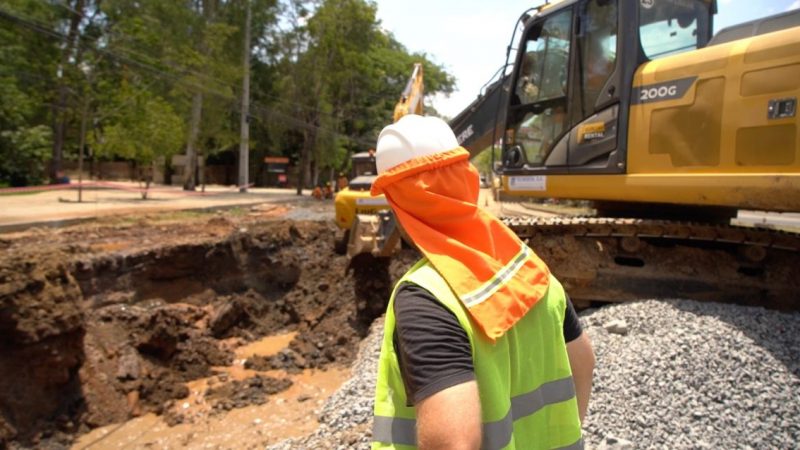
59	207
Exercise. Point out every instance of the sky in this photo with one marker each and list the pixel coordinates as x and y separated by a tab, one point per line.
469	37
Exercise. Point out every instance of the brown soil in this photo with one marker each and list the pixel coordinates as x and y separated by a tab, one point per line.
103	322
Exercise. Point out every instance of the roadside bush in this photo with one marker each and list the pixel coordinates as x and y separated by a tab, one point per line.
23	155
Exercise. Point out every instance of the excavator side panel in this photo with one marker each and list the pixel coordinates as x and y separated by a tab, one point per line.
726	113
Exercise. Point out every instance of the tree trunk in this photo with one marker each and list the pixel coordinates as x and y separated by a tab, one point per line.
202	170
146	176
59	109
244	144
189	181
58	134
81	144
305	160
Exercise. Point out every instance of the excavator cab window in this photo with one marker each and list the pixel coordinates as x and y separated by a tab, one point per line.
675	26
364	167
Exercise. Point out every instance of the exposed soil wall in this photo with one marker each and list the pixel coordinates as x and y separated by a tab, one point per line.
98	324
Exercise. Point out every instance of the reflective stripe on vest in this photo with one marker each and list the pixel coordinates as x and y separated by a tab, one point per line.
481	294
496	435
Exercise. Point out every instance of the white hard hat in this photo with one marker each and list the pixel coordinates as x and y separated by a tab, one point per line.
411	137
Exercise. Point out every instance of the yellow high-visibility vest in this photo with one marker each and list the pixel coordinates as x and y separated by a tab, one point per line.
524	379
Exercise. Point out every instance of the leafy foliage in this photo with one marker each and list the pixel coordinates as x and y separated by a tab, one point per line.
324	81
483	161
144	130
23	153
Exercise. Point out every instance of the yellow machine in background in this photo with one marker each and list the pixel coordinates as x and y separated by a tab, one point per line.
667	130
355	208
633	105
355	198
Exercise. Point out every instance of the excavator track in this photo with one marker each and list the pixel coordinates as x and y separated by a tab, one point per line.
616	260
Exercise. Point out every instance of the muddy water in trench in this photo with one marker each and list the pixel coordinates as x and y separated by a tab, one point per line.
288	414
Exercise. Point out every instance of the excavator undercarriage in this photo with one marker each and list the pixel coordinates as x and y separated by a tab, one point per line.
616	260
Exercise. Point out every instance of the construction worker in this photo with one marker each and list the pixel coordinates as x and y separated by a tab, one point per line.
341	182
481	346
317	192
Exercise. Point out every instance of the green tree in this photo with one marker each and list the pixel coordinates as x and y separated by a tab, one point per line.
483	160
77	23
23	153
343	76
325	77
26	78
145	129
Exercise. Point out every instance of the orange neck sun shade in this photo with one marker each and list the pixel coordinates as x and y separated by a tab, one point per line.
494	274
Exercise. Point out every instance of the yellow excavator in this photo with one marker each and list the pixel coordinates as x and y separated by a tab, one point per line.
357	213
668	130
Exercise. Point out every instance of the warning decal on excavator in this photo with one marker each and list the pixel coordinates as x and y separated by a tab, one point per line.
527	183
669	90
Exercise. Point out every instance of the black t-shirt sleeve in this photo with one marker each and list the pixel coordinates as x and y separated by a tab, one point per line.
433	349
572	323
429	361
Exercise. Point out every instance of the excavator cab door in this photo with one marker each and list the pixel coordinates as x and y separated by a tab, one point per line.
594	114
537	116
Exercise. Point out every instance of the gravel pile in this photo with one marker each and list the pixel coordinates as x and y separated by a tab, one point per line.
670	374
685	374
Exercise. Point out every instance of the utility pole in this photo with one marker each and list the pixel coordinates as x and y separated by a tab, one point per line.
80	148
244	144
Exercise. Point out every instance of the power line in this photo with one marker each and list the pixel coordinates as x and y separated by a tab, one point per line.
160	73
138	52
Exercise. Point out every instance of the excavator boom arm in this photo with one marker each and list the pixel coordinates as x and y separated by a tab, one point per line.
411	99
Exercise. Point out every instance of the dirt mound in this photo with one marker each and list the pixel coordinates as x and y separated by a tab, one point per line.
102	323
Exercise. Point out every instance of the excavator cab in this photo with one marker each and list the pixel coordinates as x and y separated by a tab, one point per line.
572	86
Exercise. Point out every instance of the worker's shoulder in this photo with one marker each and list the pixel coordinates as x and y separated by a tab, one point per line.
413	303
408	291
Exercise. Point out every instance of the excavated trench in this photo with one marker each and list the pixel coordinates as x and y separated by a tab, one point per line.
98	325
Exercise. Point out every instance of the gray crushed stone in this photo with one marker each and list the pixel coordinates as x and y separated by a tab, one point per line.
310	209
686	375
